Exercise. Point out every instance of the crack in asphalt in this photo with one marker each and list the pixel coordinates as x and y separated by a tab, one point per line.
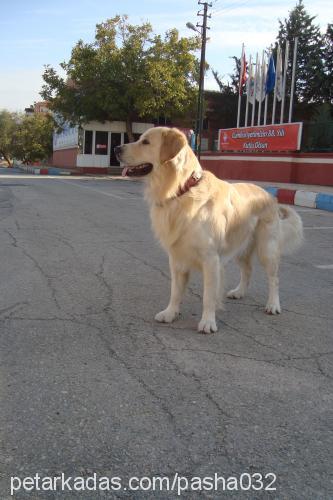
14	243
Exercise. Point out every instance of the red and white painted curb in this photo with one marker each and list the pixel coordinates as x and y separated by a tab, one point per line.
28	169
301	198
36	170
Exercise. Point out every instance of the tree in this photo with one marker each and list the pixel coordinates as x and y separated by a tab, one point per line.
309	66
127	72
26	138
7	127
225	88
328	64
32	138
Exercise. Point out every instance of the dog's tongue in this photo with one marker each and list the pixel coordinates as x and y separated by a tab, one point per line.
124	172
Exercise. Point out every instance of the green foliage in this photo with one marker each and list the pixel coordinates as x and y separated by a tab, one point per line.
127	72
225	88
328	64
26	138
310	54
7	127
32	140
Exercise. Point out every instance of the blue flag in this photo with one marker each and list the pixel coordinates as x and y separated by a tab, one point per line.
271	74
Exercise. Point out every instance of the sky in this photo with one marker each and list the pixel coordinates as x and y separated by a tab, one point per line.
34	33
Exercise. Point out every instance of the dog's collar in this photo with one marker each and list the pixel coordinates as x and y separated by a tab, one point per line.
192	181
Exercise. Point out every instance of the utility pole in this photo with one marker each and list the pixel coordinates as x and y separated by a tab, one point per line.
204	27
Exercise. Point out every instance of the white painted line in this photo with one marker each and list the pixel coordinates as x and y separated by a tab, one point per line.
302	210
318	227
328	266
111	195
117	196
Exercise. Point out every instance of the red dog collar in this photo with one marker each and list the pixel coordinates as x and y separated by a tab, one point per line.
191	182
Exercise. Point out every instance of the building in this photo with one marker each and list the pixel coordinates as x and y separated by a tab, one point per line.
41	107
92	146
37	108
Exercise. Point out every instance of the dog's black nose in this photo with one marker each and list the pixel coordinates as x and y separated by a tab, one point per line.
117	150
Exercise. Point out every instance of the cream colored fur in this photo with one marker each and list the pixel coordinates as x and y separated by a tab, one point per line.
210	224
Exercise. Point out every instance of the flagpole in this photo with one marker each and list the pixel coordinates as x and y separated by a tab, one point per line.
286	57
239	86
248	91
293	80
278	55
261	83
266	93
265	110
254	93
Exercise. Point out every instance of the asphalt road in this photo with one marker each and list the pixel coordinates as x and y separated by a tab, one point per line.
89	383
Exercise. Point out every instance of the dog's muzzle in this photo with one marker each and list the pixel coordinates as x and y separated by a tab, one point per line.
133	171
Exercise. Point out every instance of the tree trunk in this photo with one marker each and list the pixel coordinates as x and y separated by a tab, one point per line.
6	158
129	129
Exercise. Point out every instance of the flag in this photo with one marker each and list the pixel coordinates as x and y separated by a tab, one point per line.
260	81
279	77
250	85
270	78
243	74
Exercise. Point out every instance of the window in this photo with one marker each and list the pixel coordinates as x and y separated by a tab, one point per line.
101	143
88	140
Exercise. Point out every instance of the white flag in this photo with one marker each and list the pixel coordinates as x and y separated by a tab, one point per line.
261	81
258	81
250	85
279	76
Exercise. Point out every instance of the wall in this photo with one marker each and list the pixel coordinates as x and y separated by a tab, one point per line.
65	158
298	168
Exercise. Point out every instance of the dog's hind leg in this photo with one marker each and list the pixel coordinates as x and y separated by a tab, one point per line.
268	249
244	261
211	277
179	279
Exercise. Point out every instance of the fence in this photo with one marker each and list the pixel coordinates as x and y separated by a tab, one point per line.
317	137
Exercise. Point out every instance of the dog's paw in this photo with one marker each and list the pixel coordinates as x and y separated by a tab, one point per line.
207	326
167	316
273	308
235	294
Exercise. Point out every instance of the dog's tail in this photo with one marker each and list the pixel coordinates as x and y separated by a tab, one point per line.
291	230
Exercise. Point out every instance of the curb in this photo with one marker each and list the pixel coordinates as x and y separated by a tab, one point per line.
37	170
300	198
46	170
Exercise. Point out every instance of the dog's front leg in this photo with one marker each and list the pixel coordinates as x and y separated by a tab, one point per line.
179	279
211	279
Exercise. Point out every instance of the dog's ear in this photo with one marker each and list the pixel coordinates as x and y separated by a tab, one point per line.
172	147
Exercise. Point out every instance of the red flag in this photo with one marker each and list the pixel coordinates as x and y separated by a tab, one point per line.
243	74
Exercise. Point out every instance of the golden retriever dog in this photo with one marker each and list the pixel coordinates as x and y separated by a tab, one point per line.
202	222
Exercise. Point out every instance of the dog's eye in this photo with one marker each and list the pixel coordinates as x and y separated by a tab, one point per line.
145	141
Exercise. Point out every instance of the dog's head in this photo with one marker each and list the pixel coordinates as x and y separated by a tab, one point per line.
158	148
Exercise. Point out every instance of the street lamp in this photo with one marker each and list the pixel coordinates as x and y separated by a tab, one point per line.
192	27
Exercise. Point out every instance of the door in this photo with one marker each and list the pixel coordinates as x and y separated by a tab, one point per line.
115	141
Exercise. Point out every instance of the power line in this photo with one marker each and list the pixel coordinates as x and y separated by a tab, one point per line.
230	7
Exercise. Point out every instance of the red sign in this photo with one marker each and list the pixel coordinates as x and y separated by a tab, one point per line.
284	137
